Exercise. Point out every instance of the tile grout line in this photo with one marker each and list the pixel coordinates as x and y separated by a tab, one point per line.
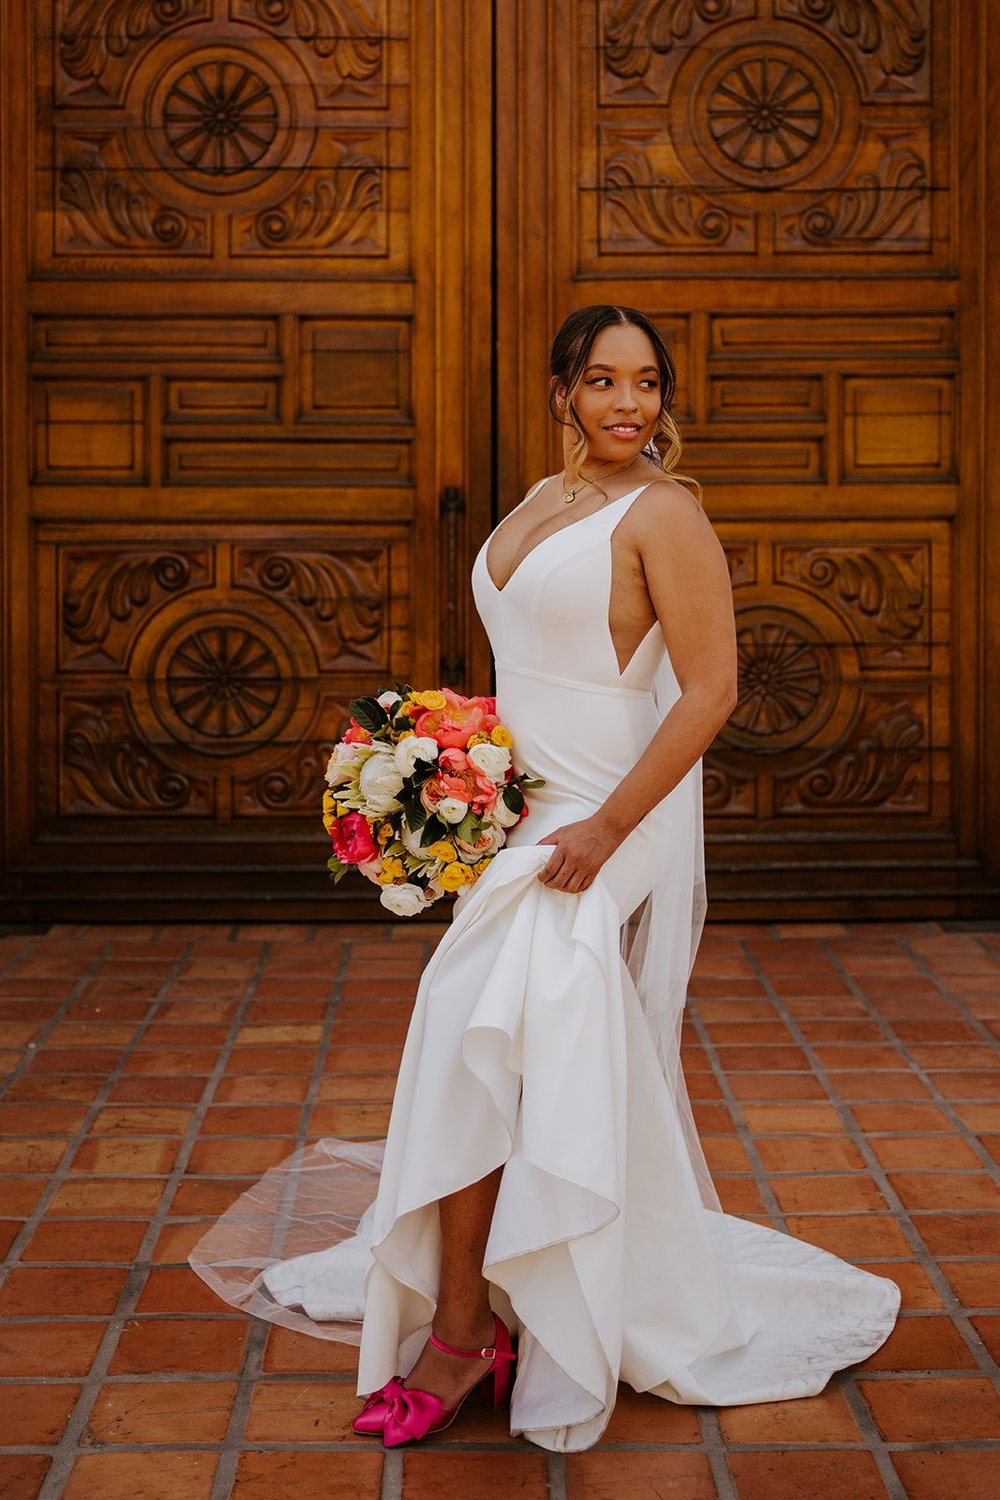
714	1445
58	1174
555	1474
908	1223
392	1476
67	1450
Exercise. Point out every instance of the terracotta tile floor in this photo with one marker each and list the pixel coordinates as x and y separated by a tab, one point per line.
847	1084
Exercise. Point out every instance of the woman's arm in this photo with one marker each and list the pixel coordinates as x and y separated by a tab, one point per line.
688	582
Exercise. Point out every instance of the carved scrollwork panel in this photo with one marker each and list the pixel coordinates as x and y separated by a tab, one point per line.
340	209
882	588
646	201
348	39
882	766
105	594
102	205
341	597
888	40
641	42
97	41
109	767
883	203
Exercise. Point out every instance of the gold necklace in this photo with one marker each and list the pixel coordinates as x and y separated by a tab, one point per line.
570	495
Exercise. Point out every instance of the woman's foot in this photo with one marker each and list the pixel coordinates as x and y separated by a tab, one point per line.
448	1376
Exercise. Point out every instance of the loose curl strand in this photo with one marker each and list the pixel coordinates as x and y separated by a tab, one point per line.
568	359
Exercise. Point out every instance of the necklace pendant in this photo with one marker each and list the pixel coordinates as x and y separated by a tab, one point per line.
568	496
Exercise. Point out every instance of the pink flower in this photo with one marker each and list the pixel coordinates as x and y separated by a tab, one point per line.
352	839
460	717
458	777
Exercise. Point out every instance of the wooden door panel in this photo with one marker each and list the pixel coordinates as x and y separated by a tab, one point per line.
234	300
776	184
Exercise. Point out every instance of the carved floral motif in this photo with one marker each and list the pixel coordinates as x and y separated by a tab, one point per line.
116	213
337	29
96	32
882	205
890	30
880	595
290	787
781	679
110	771
871	770
116	589
636	29
343	591
334	211
220	117
662	211
764	114
223	681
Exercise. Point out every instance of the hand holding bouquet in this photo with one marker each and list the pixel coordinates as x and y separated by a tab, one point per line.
421	790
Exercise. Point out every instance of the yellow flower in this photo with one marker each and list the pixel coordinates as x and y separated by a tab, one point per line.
384	834
392	870
432	698
328	821
500	735
479	738
329	801
406	734
453	876
444	850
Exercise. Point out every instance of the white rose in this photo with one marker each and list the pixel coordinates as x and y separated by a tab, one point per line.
379	781
405	900
388	698
490	840
410	838
415	747
493	759
452	809
502	814
344	762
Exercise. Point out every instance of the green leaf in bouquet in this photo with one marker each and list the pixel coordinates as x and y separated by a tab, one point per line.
530	782
470	828
513	797
414	811
435	828
369	713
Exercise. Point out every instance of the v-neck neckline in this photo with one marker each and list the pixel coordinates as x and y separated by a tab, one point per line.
551	536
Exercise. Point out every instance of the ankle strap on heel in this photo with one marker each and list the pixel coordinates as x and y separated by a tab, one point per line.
492	1352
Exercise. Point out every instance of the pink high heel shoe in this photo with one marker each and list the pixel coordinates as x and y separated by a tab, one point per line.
403	1415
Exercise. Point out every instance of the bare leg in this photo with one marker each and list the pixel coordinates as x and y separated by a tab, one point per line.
463	1315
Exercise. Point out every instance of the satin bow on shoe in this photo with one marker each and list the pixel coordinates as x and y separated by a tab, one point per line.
410	1415
371	1418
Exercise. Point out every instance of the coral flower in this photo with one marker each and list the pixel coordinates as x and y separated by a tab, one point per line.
356	735
460	717
352	839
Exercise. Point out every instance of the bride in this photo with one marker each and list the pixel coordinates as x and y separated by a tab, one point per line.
541	1218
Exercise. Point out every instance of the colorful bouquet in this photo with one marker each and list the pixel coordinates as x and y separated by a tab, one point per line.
422	789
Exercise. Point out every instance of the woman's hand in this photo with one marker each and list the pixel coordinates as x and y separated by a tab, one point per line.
581	849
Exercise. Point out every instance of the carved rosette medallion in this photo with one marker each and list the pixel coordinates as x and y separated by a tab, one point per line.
222	682
789	681
220	119
763	113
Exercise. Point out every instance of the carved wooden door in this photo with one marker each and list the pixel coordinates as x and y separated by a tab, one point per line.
234	295
789	187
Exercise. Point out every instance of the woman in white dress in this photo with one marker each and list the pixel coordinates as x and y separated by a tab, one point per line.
542	1186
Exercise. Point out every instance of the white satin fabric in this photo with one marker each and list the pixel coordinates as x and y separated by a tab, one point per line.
544	1038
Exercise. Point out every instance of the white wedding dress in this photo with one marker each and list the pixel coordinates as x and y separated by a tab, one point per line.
545	1037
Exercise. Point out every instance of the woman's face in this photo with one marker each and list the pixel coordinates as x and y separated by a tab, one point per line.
619	397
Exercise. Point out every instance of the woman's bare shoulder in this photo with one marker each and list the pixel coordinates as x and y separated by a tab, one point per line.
665	508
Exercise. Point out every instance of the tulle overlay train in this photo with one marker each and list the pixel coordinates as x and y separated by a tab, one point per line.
545	1038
